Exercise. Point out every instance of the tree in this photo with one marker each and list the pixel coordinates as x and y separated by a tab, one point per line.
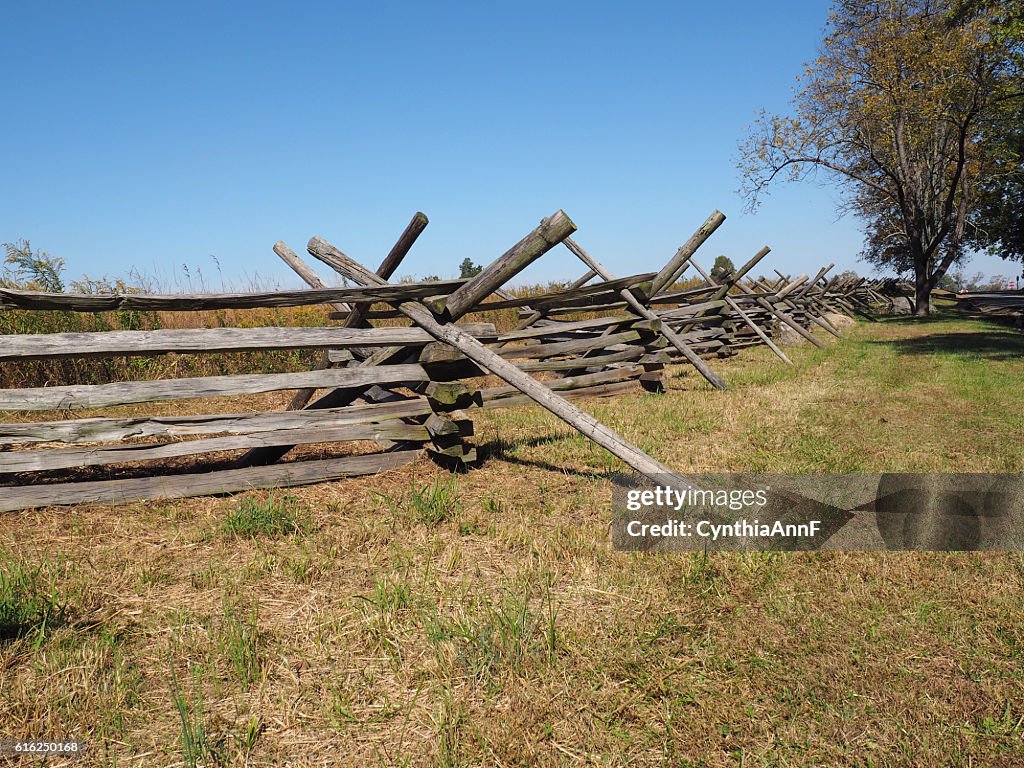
997	224
723	266
895	111
468	269
956	281
951	281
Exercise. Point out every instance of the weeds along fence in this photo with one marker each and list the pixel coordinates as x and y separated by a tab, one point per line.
371	398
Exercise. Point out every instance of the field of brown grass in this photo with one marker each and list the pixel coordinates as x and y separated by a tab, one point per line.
424	618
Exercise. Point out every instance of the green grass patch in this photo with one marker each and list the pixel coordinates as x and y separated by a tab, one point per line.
30	597
241	642
513	634
197	748
483	618
428	505
272	515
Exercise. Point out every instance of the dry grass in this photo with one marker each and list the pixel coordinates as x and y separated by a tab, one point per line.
417	619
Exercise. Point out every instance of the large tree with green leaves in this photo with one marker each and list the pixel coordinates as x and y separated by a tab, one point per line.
897	110
997	224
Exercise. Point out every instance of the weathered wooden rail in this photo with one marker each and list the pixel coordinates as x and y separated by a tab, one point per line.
386	395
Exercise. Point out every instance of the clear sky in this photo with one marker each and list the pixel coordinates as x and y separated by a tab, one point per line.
155	135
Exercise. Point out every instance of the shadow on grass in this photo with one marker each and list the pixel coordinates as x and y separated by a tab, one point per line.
947	313
991	344
942	314
500	450
911	320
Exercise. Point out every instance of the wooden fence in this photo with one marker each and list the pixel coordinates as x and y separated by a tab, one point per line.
407	390
1002	306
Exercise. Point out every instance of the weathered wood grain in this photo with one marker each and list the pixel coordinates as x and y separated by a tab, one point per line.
598	390
202	484
551	231
104	430
66	458
355	318
735	307
569	383
606	305
143	302
644	311
792	323
575	363
667	274
574	347
41	346
533	317
124	393
538	330
573	298
474	350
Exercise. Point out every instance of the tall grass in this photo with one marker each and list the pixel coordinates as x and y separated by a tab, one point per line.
28	269
195	746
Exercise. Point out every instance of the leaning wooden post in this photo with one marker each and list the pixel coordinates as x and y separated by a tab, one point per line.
735	276
746	318
542	239
522	254
817	279
478	353
301	268
784	317
673	268
356	316
810	296
723	290
631	300
781	297
392	261
821	321
791	287
824	294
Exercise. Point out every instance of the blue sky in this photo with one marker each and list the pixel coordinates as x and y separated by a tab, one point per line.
151	135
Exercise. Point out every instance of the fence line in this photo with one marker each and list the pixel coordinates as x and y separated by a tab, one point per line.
410	390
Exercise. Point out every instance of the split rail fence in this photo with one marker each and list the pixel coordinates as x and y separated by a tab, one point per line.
1004	306
404	390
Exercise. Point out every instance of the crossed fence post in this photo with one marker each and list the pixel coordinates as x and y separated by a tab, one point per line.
734	305
437	321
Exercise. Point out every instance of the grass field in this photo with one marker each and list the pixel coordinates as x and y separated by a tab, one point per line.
422	618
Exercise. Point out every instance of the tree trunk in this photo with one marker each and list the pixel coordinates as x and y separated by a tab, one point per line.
922	295
922	280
